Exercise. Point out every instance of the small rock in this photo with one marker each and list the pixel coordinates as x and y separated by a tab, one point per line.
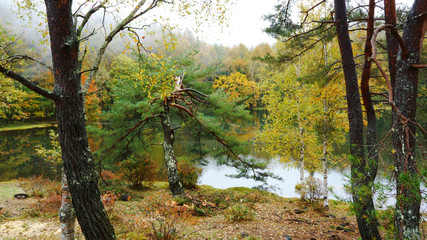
334	237
312	239
343	219
284	207
244	234
21	196
125	197
340	228
348	230
298	211
330	215
287	237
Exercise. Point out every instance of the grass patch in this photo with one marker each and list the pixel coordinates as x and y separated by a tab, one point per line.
27	126
8	189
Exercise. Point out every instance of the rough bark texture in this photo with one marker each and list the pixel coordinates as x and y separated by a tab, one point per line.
408	198
360	183
67	216
170	160
372	129
76	155
392	43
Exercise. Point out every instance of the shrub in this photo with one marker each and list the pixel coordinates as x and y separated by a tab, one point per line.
40	186
188	173
108	175
109	200
239	212
49	205
310	189
138	169
165	217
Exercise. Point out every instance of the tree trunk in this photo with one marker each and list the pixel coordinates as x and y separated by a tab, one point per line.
301	162
361	186
392	44
76	155
372	128
407	216
67	216
325	171
170	160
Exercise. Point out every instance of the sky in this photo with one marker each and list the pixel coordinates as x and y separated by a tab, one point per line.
246	24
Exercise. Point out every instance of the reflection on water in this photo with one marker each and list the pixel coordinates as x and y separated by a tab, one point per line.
215	176
17	153
18	159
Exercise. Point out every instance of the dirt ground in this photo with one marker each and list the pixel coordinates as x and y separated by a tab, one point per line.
274	218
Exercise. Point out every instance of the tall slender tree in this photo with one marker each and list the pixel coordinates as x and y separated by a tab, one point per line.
363	171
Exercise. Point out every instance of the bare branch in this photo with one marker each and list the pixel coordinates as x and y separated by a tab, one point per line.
374	54
88	15
25	57
132	16
305	50
309	10
182	108
193	90
32	86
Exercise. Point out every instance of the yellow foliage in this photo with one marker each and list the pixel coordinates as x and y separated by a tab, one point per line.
237	86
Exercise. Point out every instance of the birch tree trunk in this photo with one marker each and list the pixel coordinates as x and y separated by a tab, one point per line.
325	171
67	216
301	162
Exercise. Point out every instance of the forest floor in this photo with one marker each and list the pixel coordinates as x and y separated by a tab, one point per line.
205	213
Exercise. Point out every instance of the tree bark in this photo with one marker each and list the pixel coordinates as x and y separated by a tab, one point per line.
67	216
392	44
325	157
372	128
407	216
361	186
76	155
325	172
170	160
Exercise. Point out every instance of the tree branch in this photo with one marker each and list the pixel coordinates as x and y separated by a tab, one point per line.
132	16
308	11
25	57
32	86
374	54
87	17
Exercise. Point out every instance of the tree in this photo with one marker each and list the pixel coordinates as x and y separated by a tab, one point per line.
66	30
405	92
148	95
239	88
289	131
305	106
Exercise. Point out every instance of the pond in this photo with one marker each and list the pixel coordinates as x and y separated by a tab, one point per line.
18	159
